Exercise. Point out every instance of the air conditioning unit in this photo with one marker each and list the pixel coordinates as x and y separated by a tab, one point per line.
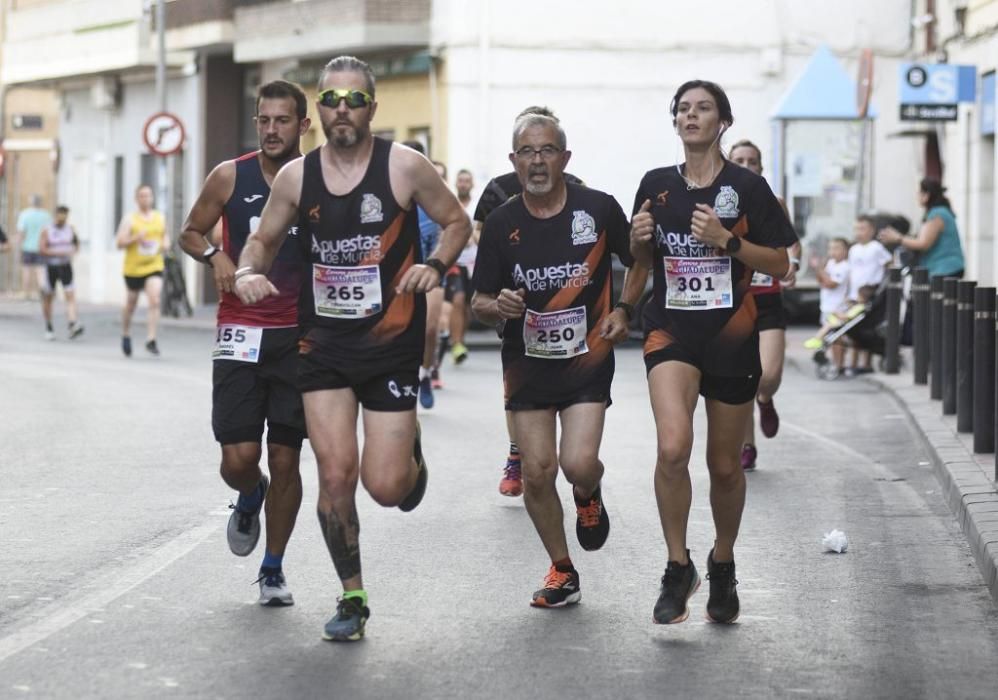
105	93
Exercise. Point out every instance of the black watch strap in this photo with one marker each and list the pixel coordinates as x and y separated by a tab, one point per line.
628	309
437	265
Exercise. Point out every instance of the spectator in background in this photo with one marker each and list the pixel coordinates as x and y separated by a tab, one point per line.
30	224
938	240
868	261
833	277
4	245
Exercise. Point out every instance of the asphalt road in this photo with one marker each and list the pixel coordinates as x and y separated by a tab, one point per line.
117	581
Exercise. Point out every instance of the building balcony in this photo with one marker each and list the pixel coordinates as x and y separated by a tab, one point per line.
61	39
311	28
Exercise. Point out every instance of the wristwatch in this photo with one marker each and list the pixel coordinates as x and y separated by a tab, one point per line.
437	265
206	255
733	245
627	309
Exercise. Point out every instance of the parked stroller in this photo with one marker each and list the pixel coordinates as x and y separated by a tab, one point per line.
865	330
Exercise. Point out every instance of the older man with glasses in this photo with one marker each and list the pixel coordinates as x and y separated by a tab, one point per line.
544	272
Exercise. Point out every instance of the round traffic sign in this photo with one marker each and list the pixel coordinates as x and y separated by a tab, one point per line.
163	134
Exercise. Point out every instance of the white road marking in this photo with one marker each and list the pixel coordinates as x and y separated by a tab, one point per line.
65	613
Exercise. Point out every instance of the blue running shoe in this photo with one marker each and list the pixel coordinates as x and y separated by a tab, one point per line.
426	392
347	625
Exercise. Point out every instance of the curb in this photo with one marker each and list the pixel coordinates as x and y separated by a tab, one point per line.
968	487
966	479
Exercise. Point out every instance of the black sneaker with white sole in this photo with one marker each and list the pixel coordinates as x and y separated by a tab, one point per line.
678	584
722	605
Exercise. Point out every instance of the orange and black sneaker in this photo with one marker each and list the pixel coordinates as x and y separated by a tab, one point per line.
592	524
561	588
511	483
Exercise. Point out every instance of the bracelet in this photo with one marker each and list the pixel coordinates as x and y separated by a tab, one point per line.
628	309
242	272
437	265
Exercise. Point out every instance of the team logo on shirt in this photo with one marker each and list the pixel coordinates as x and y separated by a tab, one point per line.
370	210
313	213
662	198
726	203
583	228
514	237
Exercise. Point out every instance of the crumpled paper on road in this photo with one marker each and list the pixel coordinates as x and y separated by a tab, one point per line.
835	541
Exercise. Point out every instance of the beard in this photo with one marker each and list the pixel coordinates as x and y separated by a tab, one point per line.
539	188
284	154
341	137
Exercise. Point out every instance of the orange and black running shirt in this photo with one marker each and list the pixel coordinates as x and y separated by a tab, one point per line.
356	248
240	218
563	263
701	299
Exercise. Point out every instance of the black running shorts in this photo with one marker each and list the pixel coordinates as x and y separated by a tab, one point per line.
377	387
59	274
771	313
138	284
729	390
245	395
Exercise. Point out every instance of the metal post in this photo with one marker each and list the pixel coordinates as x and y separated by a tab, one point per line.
949	345
984	369
936	338
892	357
965	356
162	193
920	297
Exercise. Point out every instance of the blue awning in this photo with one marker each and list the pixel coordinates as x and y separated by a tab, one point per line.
823	91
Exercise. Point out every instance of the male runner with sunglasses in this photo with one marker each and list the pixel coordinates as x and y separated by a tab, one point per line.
361	309
544	272
254	373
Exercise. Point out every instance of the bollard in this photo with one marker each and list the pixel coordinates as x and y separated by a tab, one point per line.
919	309
936	338
984	369
892	345
965	356
949	345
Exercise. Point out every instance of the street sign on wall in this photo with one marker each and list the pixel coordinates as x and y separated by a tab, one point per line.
931	91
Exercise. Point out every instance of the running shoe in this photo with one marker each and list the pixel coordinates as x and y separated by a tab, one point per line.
459	353
722	605
749	453
862	370
435	380
75	331
419	490
512	479
425	392
274	588
347	625
561	588
769	420
243	531
152	347
49	335
813	343
592	523
678	584
126	345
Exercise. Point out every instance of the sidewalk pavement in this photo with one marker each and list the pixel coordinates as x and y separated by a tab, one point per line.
967	479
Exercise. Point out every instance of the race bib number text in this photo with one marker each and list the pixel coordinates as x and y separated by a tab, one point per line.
697	284
557	334
346	292
240	343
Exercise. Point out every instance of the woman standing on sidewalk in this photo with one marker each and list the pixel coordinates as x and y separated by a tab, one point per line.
771	323
938	240
703	225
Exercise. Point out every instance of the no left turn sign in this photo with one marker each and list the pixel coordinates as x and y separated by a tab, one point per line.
163	134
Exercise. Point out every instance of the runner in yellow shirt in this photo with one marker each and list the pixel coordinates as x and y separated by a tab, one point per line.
142	234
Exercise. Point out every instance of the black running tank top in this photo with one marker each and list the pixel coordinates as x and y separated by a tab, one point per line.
357	247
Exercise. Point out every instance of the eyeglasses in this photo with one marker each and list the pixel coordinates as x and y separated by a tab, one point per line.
545	152
355	98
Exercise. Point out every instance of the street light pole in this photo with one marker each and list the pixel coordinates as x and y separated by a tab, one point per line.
162	191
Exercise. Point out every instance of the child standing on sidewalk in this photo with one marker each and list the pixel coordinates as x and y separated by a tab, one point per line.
833	278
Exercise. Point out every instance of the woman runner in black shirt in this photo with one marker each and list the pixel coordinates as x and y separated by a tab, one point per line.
704	225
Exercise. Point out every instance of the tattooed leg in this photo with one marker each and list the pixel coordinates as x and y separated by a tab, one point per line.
342	537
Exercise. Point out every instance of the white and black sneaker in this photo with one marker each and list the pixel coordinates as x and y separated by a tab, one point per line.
274	588
243	531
